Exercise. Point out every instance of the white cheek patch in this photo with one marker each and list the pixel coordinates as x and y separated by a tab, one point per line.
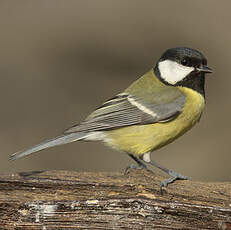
173	72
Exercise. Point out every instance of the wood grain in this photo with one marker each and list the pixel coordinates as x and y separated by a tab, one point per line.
82	200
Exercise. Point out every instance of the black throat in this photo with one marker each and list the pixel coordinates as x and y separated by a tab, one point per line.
195	81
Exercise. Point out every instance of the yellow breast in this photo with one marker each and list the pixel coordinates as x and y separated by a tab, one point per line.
139	139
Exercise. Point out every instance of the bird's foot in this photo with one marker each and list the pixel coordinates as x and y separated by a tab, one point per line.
137	167
174	176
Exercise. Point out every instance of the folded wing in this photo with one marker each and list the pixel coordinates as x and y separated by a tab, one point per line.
125	110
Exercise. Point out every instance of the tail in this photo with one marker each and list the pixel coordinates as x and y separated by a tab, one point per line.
60	140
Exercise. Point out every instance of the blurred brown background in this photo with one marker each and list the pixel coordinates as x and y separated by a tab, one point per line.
61	59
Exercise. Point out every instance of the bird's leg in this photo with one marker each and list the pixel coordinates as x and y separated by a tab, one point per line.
140	164
173	175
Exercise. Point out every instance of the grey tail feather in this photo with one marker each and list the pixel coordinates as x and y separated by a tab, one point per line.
60	140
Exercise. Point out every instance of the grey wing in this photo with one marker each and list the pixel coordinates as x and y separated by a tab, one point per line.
125	110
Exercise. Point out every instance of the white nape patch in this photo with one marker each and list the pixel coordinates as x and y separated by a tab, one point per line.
173	72
95	136
146	157
141	107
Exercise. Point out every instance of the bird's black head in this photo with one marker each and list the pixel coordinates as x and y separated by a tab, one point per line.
183	66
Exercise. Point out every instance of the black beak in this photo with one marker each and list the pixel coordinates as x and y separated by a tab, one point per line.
205	69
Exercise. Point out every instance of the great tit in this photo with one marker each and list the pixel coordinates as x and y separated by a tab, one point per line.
153	111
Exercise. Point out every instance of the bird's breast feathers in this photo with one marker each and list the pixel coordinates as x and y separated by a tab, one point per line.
139	139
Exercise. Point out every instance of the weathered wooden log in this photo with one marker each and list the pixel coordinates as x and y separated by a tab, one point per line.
80	200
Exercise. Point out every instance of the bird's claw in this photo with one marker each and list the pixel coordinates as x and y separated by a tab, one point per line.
174	176
126	171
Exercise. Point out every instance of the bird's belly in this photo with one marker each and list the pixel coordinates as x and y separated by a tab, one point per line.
139	139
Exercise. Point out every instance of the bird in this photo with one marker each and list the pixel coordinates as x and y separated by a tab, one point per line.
152	112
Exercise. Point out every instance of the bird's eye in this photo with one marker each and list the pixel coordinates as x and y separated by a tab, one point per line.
204	62
185	62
